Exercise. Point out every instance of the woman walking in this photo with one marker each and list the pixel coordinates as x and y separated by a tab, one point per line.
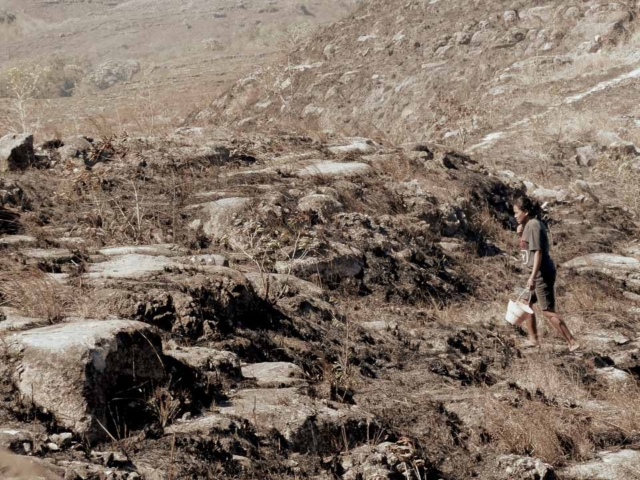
534	247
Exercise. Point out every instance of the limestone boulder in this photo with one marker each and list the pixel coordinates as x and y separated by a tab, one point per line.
111	73
619	267
607	466
549	195
75	370
605	263
134	266
16	152
516	466
612	141
207	359
75	147
356	145
209	424
167	250
275	374
305	424
335	170
282	285
586	156
219	216
342	261
19	467
319	204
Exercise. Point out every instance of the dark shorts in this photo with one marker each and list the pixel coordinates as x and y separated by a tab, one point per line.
545	291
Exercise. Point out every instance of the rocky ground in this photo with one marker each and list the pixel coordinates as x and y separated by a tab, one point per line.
201	307
256	294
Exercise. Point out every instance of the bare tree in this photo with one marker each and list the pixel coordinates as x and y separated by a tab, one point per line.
23	85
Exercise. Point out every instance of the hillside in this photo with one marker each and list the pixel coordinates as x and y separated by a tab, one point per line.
520	87
141	65
308	278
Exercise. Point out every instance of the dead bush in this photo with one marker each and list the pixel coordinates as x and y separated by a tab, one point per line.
536	429
36	294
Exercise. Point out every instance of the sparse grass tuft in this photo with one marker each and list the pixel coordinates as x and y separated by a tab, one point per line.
34	293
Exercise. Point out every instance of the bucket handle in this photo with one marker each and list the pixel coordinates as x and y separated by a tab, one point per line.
522	294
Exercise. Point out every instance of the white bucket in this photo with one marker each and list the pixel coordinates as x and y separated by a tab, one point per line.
517	310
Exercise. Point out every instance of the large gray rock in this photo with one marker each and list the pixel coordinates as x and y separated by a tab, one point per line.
604	263
384	461
275	374
18	467
357	145
307	425
612	141
11	320
207	359
111	73
525	468
341	262
586	156
53	255
221	215
18	240
618	267
282	285
607	466
167	250
549	195
209	424
75	147
16	152
335	169
74	370
322	205
131	266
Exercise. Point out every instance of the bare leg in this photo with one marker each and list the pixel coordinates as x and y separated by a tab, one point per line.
558	324
532	328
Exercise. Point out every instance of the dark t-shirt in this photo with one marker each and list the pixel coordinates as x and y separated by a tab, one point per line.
534	238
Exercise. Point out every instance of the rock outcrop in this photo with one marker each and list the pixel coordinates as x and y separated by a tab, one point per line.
76	370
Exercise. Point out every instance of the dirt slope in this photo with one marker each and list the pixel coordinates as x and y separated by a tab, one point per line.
520	86
183	51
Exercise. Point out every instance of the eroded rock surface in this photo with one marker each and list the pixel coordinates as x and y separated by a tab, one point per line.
75	370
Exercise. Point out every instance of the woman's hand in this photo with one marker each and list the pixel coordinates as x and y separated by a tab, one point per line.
531	284
519	230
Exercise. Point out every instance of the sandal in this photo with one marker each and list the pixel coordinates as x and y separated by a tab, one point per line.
574	347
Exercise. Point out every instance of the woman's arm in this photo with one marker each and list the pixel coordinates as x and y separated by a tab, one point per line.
537	261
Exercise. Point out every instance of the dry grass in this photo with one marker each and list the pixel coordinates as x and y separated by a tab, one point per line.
540	374
557	417
622	412
614	170
548	432
163	406
35	294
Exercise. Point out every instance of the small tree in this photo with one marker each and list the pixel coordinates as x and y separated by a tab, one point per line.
23	86
293	38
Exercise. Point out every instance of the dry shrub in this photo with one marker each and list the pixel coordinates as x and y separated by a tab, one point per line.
622	410
540	375
36	294
613	170
122	210
533	428
589	302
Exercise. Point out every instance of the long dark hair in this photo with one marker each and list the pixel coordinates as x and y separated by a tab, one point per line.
532	207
